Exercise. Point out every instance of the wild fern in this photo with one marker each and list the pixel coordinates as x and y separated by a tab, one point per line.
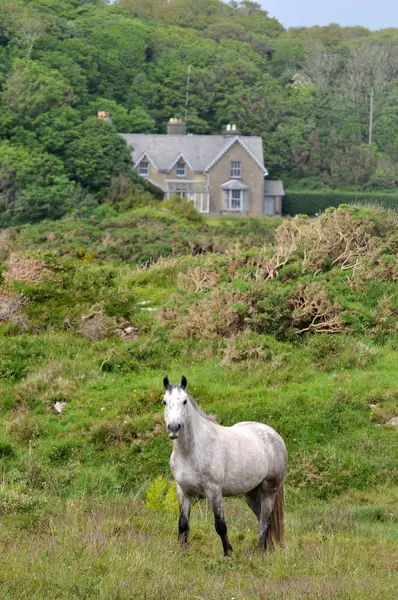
161	496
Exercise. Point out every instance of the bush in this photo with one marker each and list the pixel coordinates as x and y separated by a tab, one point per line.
182	208
161	496
315	202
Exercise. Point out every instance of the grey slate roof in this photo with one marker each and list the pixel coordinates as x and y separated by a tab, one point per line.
198	150
273	188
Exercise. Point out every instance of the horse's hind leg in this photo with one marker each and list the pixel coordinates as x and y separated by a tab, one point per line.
253	500
185	503
217	503
267	495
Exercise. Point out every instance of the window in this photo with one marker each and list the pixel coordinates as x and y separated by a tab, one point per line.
181	169
234	200
144	168
236	169
194	191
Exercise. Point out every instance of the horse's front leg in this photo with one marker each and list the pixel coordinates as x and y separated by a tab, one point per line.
217	503
185	503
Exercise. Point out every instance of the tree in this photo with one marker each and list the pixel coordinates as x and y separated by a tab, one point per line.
33	89
25	25
97	155
33	186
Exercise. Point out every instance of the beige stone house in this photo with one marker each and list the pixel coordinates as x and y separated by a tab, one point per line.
220	174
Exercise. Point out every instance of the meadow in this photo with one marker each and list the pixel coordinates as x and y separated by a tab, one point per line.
293	323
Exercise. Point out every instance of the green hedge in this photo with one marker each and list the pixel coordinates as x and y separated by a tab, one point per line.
311	203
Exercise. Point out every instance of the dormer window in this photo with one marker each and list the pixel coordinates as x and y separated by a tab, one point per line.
181	168
236	169
144	168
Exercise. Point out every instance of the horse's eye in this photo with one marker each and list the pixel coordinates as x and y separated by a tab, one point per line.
164	402
185	401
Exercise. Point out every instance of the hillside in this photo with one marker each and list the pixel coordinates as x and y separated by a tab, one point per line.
299	332
306	91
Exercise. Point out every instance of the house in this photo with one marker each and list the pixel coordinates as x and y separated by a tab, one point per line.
220	174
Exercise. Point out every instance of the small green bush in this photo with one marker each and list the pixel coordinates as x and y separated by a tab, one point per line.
182	208
161	496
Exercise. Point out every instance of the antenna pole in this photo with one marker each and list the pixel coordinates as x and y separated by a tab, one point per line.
187	97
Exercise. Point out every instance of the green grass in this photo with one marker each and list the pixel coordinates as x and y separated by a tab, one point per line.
117	549
73	518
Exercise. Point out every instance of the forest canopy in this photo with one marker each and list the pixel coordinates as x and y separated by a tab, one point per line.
324	99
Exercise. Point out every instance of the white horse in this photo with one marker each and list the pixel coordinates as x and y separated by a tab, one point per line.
212	461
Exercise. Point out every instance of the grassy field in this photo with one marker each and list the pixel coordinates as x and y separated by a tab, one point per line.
115	548
296	328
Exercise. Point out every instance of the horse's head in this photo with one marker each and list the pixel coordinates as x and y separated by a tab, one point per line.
175	403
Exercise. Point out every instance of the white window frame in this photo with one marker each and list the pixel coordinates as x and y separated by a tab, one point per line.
181	168
144	173
236	169
194	191
231	198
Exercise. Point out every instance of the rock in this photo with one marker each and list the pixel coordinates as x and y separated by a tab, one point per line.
59	407
393	421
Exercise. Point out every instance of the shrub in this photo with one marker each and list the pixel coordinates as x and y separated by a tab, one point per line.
6	449
313	311
112	434
61	451
331	353
198	279
10	304
224	313
161	496
97	326
14	501
24	428
315	202
7	240
253	348
335	238
182	208
22	268
48	383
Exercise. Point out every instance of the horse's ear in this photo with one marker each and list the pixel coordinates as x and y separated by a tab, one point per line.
166	382
184	382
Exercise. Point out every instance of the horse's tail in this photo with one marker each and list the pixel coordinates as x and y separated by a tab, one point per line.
276	529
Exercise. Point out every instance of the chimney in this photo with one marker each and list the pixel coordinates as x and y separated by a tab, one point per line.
104	116
176	127
231	130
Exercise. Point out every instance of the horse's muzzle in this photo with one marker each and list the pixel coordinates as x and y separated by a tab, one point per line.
174	430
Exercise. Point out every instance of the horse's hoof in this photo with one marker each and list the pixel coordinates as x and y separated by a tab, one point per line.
228	550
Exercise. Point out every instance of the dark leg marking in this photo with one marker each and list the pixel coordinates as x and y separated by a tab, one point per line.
183	529
185	503
221	529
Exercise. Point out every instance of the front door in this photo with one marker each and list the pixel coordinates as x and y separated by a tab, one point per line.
269	205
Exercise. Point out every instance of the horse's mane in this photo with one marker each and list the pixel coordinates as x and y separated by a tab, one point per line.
195	405
200	411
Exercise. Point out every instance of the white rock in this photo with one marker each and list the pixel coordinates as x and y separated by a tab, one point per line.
59	407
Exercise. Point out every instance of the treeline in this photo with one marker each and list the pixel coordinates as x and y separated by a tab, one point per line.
324	99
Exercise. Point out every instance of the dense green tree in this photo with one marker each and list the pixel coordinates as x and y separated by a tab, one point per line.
33	186
32	89
97	155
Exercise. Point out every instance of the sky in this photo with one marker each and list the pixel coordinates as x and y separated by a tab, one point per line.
373	14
